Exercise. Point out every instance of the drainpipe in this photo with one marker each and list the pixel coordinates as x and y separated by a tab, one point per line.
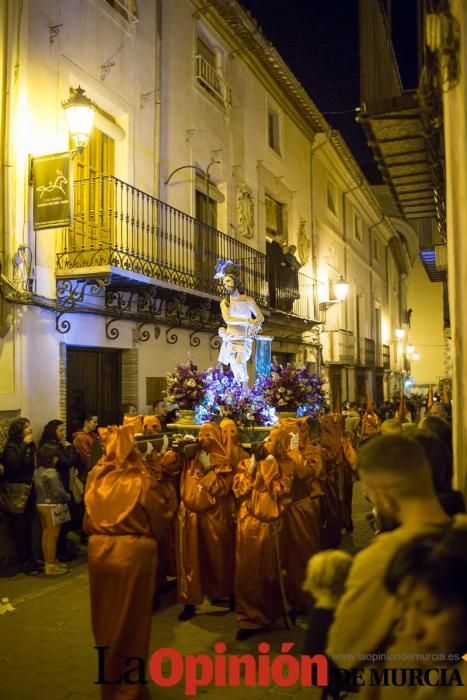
314	255
157	97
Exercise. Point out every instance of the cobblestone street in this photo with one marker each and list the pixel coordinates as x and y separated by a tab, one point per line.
46	644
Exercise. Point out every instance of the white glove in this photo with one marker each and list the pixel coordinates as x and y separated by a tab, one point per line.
294	441
205	460
252	466
165	444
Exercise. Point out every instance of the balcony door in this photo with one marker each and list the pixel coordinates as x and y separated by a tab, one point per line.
93	385
206	239
93	198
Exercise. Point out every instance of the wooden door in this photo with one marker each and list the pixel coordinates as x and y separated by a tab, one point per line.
93	385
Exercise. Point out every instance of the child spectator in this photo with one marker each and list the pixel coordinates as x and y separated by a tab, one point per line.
51	503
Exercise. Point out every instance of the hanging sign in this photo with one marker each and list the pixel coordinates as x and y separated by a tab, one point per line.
51	183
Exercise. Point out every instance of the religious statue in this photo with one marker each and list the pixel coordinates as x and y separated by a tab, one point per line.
243	319
245	211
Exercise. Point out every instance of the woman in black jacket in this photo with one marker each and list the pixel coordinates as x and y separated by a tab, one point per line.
54	434
18	460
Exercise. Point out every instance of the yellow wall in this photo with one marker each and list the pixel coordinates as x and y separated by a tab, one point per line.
425	298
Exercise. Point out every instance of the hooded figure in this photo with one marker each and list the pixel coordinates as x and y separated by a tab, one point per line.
205	524
231	442
332	478
165	466
371	423
124	518
263	489
302	519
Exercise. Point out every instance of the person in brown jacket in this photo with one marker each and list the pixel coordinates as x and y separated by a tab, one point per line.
205	524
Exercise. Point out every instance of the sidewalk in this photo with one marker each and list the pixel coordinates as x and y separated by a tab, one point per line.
47	650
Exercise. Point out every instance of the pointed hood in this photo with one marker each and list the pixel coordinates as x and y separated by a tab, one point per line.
429	398
402	411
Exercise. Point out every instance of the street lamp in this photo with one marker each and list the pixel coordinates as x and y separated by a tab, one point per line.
341	289
79	111
400	333
410	349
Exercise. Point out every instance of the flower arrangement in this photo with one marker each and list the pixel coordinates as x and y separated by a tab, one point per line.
292	388
226	398
185	385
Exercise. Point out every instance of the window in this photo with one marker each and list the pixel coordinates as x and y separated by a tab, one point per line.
126	8
93	196
274	131
274	217
331	197
357	227
209	72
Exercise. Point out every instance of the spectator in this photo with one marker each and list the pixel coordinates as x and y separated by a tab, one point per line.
391	426
51	503
325	580
83	441
428	577
53	435
19	461
129	410
397	478
441	468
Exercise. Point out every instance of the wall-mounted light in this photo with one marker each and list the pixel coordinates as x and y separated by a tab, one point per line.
79	111
410	349
400	333
416	356
341	289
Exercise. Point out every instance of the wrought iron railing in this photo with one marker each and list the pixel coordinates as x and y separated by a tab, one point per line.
210	79
292	292
341	347
366	355
117	225
386	357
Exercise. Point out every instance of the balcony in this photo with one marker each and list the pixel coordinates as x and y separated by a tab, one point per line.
386	357
212	81
132	239
366	354
291	293
123	233
341	348
403	128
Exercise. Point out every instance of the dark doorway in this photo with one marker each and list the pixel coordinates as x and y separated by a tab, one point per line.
379	388
93	385
361	387
335	390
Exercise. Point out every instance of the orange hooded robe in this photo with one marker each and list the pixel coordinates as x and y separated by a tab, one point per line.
206	525
302	519
259	583
124	518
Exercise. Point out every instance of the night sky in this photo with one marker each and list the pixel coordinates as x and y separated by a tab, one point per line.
318	39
